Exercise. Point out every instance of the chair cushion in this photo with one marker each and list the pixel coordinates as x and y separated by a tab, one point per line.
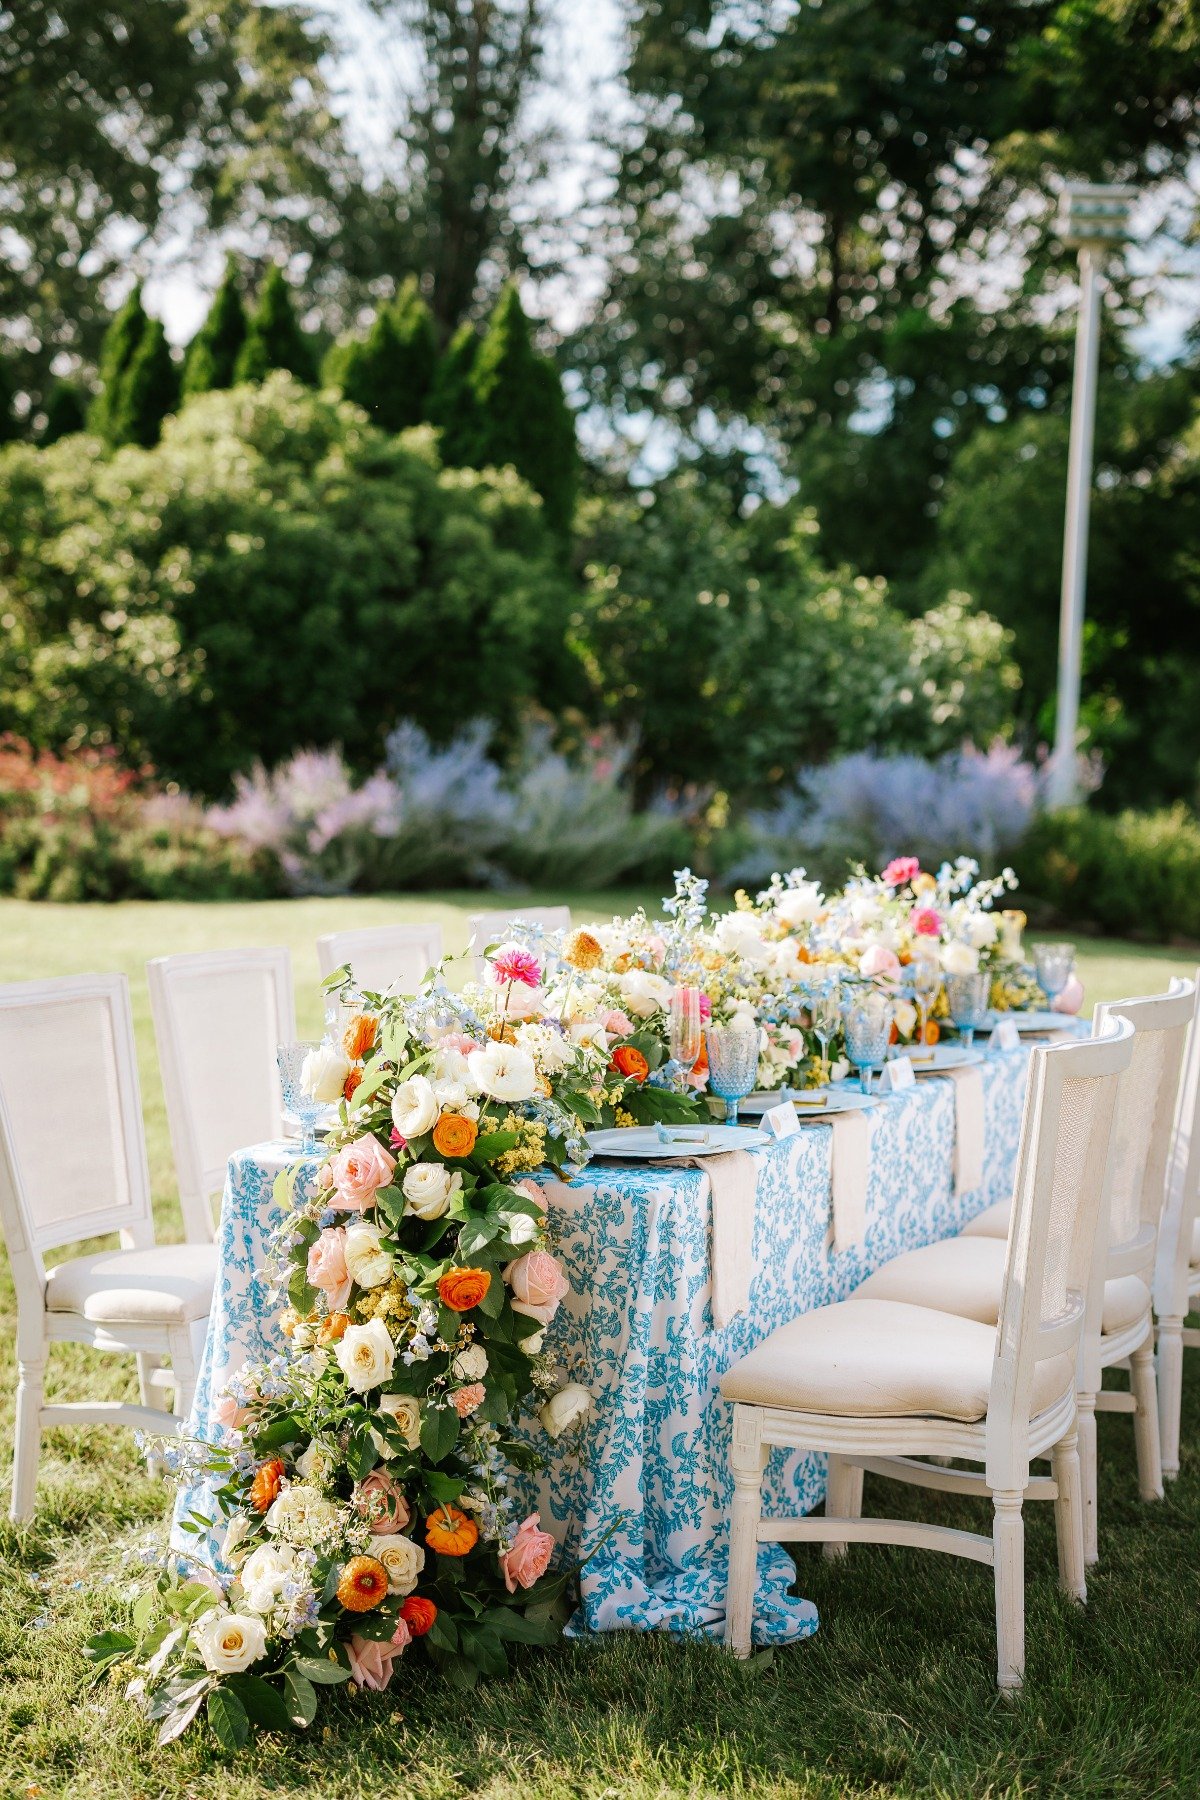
961	1275
1126	1300
991	1223
880	1359
166	1284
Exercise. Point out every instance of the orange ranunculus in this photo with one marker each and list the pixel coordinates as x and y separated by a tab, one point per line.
893	1033
450	1532
454	1136
268	1479
933	1031
628	1060
418	1614
461	1289
359	1036
333	1329
363	1584
700	1066
583	950
351	1083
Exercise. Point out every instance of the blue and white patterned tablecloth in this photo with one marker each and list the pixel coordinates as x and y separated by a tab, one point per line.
651	1467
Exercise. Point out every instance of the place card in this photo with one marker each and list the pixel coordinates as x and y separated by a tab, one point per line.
897	1075
1005	1036
781	1121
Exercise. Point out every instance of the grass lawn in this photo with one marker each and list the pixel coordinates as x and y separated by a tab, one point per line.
894	1697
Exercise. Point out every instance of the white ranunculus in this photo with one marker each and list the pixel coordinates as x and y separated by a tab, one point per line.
643	993
428	1190
405	1410
589	1034
470	1364
302	1515
265	1573
959	958
323	1073
414	1107
452	1081
229	1642
317	1463
505	1072
402	1559
739	934
980	929
800	905
367	1262
570	1406
519	1228
365	1355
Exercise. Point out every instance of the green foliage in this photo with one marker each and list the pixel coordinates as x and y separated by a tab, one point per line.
453	407
274	339
65	412
203	610
522	418
8	423
122	342
1136	874
389	372
213	352
149	390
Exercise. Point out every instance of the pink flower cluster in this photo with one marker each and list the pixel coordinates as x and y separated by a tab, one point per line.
900	870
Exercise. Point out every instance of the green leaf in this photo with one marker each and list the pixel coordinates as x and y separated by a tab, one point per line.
444	1489
302	1296
107	1645
263	1703
227	1716
475	1234
439	1432
516	1628
443	1632
301	1697
392	1203
322	1672
177	1722
493	1143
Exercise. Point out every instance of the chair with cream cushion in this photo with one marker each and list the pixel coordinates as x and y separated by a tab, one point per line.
73	1167
219	1019
492	927
882	1385
382	957
965	1275
1177	1272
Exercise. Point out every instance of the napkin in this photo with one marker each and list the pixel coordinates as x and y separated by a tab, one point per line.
851	1168
968	1128
733	1181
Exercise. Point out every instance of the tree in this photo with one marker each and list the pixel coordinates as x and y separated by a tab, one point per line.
213	352
149	390
65	412
389	372
274	338
452	403
523	418
122	342
8	422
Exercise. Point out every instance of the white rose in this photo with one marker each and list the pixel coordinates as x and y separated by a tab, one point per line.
265	1573
470	1364
365	1355
367	1262
405	1410
302	1515
229	1642
590	1034
428	1190
532	1344
317	1463
570	1406
505	1072
548	1048
783	960
959	959
800	905
643	993
323	1073
739	934
980	929
414	1107
582	1000
519	1228
402	1559
235	1537
865	909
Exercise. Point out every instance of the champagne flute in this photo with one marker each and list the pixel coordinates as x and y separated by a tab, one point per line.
926	979
683	1019
826	1013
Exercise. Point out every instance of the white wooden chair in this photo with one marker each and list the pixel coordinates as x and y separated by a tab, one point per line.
387	956
881	1385
492	927
965	1275
72	1167
219	1018
1177	1272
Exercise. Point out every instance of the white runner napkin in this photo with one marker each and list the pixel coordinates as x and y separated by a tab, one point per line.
733	1181
968	1128
851	1169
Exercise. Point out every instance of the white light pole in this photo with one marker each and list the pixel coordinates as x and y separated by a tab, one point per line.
1094	219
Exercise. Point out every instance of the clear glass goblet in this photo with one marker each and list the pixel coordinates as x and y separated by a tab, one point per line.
867	1015
925	980
732	1063
683	1030
296	1078
967	997
825	1011
1055	965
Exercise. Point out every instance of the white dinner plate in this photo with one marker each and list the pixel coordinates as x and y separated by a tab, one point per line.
936	1057
1029	1021
811	1103
641	1143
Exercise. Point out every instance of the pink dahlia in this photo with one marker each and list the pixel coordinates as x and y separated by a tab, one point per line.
926	922
514	964
900	870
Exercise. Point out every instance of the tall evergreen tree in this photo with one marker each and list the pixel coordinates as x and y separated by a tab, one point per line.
452	403
274	339
389	372
213	352
523	417
66	412
8	420
121	343
149	390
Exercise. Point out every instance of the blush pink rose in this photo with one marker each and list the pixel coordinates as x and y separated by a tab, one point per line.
229	1413
532	1191
359	1171
371	1662
393	1513
880	962
529	1557
457	1040
327	1267
538	1285
1071	998
925	921
617	1023
468	1399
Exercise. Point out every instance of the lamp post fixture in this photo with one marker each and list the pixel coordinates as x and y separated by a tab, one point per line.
1094	219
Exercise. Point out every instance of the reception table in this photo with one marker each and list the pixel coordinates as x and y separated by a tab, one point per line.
647	1478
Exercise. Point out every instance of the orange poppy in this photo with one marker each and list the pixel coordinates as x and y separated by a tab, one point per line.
418	1614
461	1289
333	1329
363	1584
453	1135
268	1479
450	1532
629	1061
359	1036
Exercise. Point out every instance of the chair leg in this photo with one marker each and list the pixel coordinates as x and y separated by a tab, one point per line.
843	1498
1145	1420
1170	1392
748	1459
27	1440
1085	1425
1008	1543
1068	1517
185	1365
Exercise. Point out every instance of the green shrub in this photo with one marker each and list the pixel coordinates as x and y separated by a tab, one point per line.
1133	874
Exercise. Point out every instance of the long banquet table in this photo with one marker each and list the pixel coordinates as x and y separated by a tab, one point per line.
648	1474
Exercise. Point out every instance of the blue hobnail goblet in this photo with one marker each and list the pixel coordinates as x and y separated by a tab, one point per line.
967	997
298	1098
867	1015
732	1063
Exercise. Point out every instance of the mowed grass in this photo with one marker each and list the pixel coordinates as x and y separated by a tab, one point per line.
893	1698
